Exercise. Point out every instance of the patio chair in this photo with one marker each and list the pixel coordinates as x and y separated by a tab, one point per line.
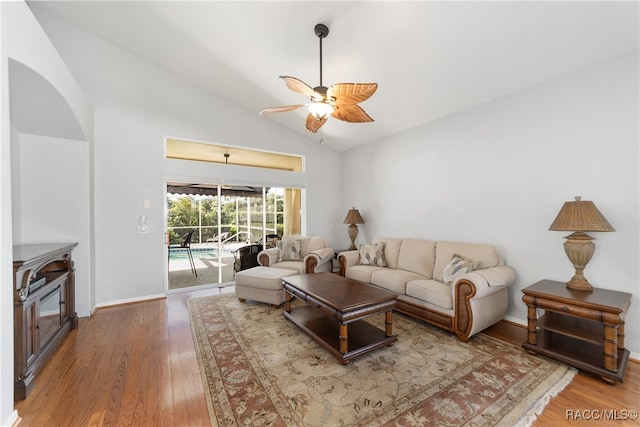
246	257
222	237
271	240
186	244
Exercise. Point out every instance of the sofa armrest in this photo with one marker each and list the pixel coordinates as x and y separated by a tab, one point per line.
489	280
315	259
347	259
268	257
482	288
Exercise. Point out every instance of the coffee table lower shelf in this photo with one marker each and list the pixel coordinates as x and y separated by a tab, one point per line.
325	330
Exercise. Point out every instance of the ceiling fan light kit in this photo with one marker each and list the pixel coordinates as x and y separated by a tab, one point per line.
339	101
320	110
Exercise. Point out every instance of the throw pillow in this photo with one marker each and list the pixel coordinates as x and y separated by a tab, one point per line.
458	266
372	255
289	250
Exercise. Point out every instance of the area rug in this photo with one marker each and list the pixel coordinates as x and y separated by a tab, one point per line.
259	369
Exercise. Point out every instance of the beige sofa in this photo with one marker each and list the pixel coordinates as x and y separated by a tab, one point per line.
304	254
417	270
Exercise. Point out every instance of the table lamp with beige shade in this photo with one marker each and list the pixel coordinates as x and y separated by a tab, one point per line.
353	217
580	216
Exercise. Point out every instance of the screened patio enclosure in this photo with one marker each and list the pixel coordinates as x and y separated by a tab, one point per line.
222	219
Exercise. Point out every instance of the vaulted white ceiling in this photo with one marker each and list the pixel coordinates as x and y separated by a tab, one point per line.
430	59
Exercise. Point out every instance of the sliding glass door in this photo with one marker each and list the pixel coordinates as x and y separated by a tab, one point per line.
223	219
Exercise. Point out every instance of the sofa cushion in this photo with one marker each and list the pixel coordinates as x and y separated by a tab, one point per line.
297	266
289	250
485	255
372	255
393	280
315	243
417	256
362	272
304	243
458	266
435	292
307	243
391	250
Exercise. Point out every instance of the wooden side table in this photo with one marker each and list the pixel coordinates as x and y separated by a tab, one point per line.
335	265
582	329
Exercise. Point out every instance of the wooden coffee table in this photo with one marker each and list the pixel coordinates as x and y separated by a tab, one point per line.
334	312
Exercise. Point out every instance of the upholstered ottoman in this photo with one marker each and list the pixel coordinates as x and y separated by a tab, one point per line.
263	284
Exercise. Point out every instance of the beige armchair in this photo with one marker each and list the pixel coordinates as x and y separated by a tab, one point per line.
303	254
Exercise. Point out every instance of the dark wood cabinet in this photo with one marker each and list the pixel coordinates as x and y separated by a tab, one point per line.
44	307
581	329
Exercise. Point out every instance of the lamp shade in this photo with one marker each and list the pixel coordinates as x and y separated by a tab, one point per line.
580	215
353	217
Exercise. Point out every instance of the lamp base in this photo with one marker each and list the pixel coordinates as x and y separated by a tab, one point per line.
579	283
579	249
352	230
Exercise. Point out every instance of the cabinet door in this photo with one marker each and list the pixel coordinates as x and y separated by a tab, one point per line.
30	334
49	315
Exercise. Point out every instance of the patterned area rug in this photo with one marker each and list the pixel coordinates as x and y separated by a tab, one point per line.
259	369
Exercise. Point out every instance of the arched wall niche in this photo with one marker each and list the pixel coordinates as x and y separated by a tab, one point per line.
36	107
51	179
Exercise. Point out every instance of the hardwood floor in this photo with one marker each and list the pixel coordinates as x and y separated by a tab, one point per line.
587	395
136	365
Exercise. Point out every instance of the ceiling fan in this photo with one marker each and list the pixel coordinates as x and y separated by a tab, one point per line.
339	101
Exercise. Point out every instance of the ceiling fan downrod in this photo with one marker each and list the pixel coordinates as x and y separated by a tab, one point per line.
321	31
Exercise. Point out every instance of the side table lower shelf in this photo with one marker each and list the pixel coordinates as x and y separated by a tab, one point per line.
577	353
582	329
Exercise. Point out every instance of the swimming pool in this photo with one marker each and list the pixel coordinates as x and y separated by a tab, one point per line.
198	253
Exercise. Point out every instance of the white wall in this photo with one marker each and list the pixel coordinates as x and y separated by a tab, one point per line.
499	173
7	414
137	105
24	42
51	201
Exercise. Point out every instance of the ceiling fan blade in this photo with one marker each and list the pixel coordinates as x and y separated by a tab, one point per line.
314	124
299	86
351	113
281	109
351	93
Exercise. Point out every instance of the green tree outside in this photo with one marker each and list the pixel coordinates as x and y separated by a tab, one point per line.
187	212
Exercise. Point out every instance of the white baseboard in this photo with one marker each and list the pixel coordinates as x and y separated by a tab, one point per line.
13	420
516	320
127	301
